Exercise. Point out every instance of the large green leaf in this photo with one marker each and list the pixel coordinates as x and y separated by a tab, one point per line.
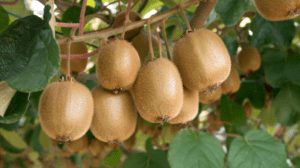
12	141
266	32
17	45
34	141
113	158
195	150
152	159
10	127
287	105
267	116
280	68
4	19
35	99
231	10
151	5
16	109
253	89
231	43
257	149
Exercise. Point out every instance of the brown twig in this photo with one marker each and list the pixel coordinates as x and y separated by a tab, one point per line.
165	38
150	39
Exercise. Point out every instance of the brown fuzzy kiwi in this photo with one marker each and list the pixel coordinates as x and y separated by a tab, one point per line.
155	132
232	83
96	147
112	146
175	128
66	110
189	108
202	59
143	126
249	59
77	66
158	91
119	21
117	65
276	10
141	44
248	109
78	146
210	97
115	116
130	142
213	123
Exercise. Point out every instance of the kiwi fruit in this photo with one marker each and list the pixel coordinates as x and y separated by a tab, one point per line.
155	132
213	122
77	66
141	44
96	147
158	91
115	115
143	126
202	59
117	65
210	97
277	10
248	109
120	19
249	59
78	146
232	83
66	110
174	128
112	146
130	142
189	108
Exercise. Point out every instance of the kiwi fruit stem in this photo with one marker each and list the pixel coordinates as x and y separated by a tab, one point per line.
68	60
158	39
124	28
165	38
181	5
150	40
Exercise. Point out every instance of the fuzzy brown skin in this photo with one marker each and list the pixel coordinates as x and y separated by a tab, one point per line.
66	110
248	109
78	146
210	97
276	10
202	59
189	108
96	147
232	83
115	115
130	142
141	44
119	21
117	65
158	91
77	66
143	126
249	59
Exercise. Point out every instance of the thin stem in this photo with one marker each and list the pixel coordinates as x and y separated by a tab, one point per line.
72	33
68	59
158	38
58	7
73	25
120	8
79	56
111	32
150	39
181	7
9	3
142	6
126	19
227	135
165	38
81	21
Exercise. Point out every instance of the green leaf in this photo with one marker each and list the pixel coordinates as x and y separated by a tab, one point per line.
296	161
17	45
19	9
4	19
6	94
153	159
113	158
13	138
10	127
151	5
267	116
149	145
35	99
34	141
257	149
253	89
231	44
16	109
190	150
9	147
287	105
41	67
90	84
266	32
280	68
231	10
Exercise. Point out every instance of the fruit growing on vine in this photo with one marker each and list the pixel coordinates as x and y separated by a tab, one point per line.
155	132
66	110
248	109
77	66
118	64
119	21
210	97
276	10
232	83
213	122
141	44
96	147
78	146
115	115
189	108
130	142
158	91
202	59
143	126
249	59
